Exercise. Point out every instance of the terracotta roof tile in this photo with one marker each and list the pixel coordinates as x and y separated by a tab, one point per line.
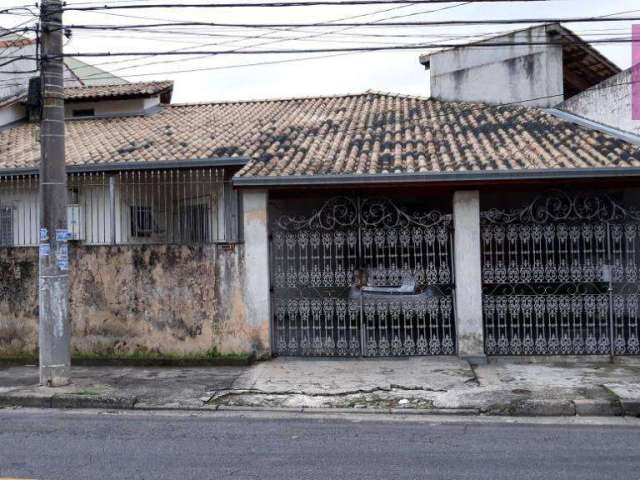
121	90
338	135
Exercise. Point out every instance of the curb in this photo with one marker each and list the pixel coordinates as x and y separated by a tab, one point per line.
630	407
515	408
68	400
598	408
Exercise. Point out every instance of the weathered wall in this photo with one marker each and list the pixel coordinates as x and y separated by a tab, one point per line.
125	299
18	299
524	70
609	102
256	287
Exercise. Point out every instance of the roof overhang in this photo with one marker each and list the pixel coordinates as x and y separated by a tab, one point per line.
124	166
467	177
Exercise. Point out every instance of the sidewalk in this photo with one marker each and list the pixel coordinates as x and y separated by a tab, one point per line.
417	385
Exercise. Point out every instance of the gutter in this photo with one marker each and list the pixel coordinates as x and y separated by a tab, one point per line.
123	166
474	176
593	125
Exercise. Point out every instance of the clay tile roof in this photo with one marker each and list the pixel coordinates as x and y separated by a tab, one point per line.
370	133
124	90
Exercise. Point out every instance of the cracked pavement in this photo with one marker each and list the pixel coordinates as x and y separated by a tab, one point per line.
414	384
443	383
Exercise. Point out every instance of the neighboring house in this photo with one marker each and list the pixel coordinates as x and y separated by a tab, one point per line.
609	103
14	86
538	66
125	207
368	224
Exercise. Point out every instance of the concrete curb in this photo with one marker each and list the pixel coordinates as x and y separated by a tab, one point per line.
515	408
598	408
68	400
630	407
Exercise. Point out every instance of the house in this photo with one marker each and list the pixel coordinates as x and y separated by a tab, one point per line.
371	224
610	103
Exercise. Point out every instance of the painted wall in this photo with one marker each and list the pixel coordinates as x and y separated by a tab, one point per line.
500	74
609	103
11	114
113	107
124	299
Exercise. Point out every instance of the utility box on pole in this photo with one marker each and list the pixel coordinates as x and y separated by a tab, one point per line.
54	327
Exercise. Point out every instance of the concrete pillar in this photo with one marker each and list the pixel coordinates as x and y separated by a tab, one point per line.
468	276
256	271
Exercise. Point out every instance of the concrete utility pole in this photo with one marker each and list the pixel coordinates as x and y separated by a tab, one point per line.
55	328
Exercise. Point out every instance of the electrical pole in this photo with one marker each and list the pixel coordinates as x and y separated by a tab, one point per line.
55	327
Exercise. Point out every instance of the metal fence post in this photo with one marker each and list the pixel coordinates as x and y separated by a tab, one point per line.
112	209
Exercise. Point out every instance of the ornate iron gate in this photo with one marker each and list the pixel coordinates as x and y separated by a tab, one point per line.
314	257
560	277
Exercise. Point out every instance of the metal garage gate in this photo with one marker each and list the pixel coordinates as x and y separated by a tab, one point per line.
315	252
560	276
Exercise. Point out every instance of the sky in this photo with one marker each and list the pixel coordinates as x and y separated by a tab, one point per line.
224	77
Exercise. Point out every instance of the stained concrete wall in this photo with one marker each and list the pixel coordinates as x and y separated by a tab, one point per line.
609	103
124	299
257	296
501	74
469	326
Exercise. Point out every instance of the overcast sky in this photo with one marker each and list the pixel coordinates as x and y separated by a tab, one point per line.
396	71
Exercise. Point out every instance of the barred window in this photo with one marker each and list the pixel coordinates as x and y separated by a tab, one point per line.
141	221
164	206
6	226
194	223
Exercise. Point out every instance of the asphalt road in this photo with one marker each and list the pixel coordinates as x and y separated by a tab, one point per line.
66	445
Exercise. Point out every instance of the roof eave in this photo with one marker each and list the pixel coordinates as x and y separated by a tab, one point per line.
439	177
123	166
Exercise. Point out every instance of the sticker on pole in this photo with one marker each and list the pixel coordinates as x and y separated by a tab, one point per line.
63	235
44	250
44	234
63	257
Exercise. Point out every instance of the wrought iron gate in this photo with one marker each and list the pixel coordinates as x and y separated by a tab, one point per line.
560	276
314	257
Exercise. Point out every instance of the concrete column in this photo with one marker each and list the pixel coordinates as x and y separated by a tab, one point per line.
468	276
256	271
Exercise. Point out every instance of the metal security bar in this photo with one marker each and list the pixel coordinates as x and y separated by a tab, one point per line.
186	206
560	276
406	306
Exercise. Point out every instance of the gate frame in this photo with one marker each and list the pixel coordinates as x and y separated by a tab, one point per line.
357	199
555	206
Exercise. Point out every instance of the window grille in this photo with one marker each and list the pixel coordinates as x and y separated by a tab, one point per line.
141	221
6	226
179	206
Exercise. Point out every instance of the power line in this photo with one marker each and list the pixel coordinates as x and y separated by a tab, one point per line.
511	21
265	34
284	4
319	34
421	46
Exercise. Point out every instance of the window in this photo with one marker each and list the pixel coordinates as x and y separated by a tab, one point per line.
141	221
6	226
83	112
194	223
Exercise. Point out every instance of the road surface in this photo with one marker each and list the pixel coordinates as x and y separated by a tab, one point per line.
41	444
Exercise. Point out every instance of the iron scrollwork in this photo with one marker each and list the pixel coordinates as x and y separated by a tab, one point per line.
548	270
314	258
